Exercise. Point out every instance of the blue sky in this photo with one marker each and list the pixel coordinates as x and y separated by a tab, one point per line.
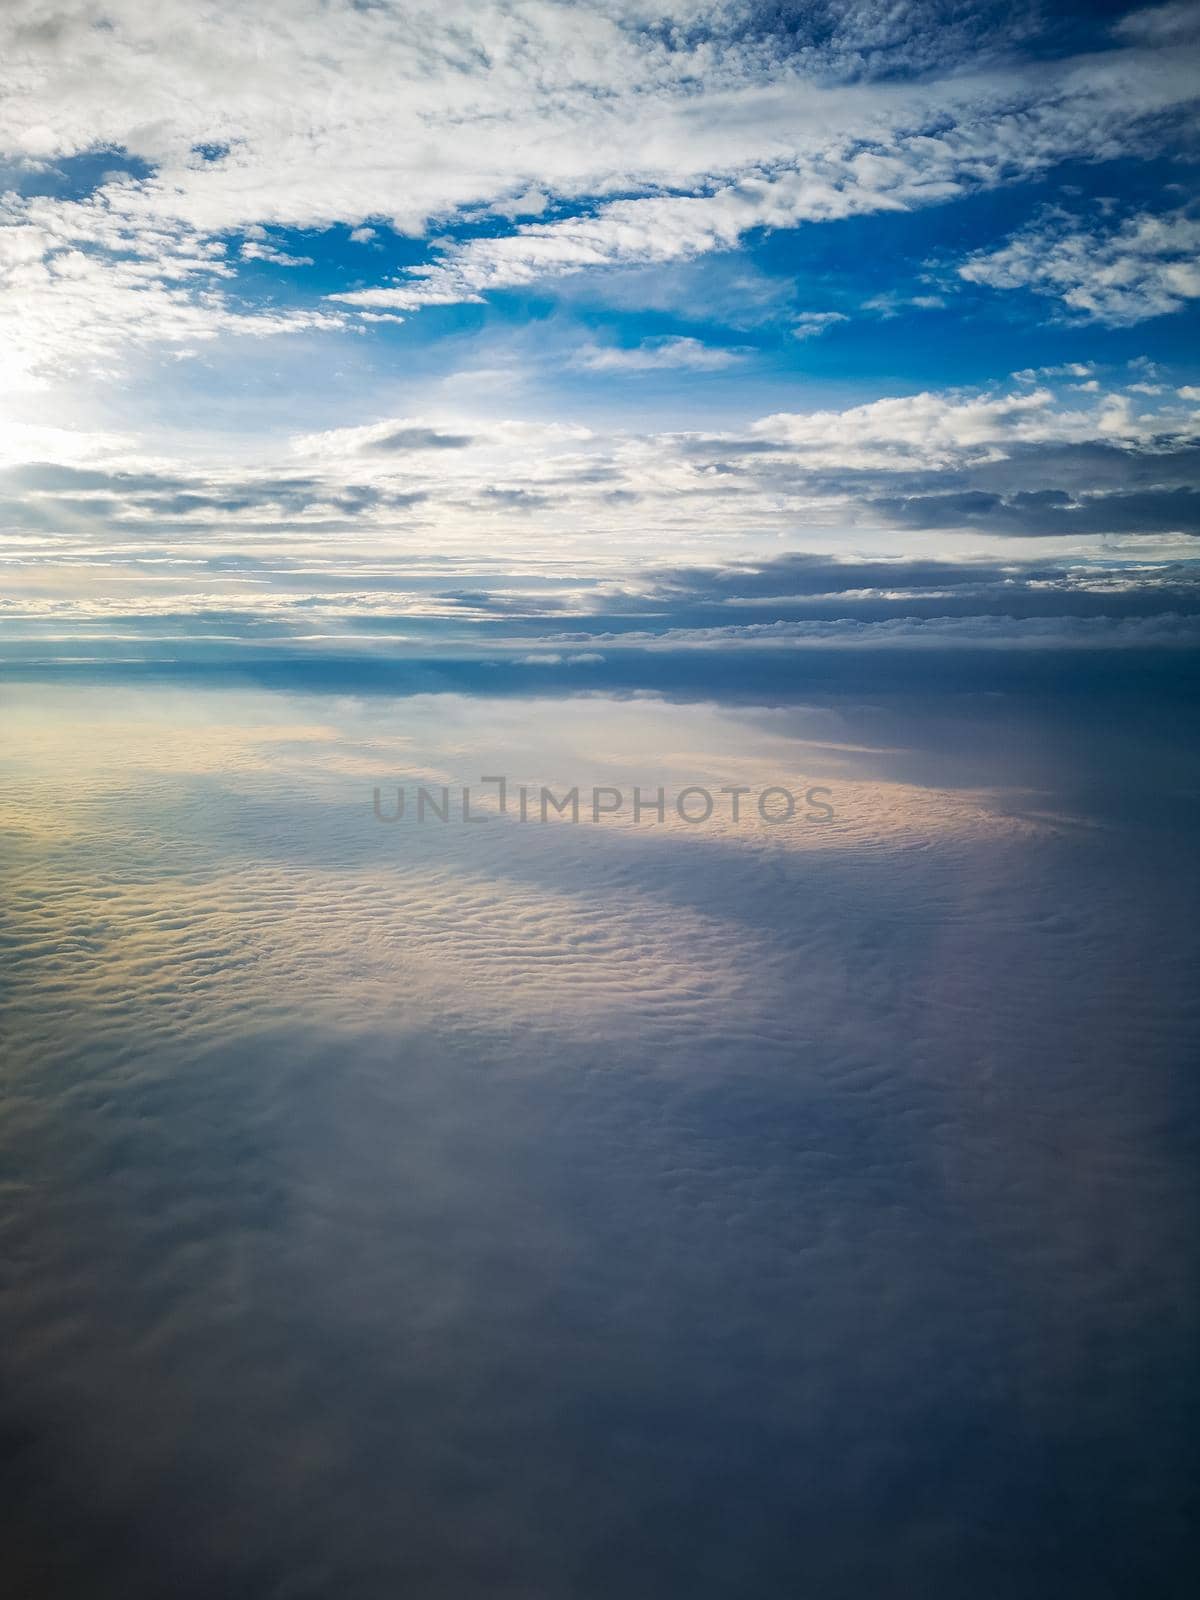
570	294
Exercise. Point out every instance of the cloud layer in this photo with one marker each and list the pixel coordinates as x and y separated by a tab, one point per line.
497	1208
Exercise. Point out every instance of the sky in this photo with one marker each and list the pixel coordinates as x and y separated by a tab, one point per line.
328	320
796	406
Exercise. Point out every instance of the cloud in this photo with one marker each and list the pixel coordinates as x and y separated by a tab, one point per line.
1051	512
530	204
811	324
1030	460
657	355
624	1208
938	430
1174	22
80	289
419	438
624	146
917	161
892	302
616	614
256	247
642	1141
1144	268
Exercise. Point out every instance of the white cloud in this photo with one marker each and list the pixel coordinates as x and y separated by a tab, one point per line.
657	354
1070	369
81	289
817	171
672	140
530	204
1145	268
1160	24
811	324
346	505
892	303
940	430
254	250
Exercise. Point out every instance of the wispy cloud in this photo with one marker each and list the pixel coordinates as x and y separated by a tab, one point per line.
652	355
811	324
1145	267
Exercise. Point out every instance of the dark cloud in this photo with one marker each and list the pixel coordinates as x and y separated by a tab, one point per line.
519	499
54	477
1092	466
1050	513
56	498
718	445
1061	489
799	573
420	439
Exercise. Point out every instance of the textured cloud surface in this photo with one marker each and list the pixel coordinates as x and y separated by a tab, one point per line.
587	1208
